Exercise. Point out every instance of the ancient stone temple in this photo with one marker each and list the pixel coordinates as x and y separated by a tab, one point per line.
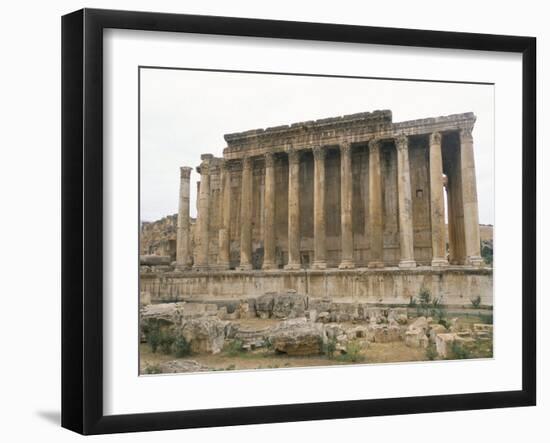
351	206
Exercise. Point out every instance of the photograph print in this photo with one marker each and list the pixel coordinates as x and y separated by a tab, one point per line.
290	220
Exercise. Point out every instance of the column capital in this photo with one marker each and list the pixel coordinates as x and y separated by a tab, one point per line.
402	142
247	162
293	156
204	168
185	172
466	133
374	144
224	166
319	152
269	160
345	147
435	138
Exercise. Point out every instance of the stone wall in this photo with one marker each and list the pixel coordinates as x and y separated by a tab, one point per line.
456	286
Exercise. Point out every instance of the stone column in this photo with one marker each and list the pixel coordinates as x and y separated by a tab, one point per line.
182	239
202	238
437	202
406	239
469	198
269	213
223	255
319	223
246	216
293	210
346	195
376	221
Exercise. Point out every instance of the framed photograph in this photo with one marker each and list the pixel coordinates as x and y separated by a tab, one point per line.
268	221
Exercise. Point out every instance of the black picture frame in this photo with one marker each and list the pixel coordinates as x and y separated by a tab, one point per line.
82	218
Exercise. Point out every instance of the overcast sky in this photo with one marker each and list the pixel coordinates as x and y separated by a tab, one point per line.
186	113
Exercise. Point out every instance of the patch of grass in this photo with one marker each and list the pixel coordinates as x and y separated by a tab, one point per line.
234	348
459	352
352	353
152	369
486	318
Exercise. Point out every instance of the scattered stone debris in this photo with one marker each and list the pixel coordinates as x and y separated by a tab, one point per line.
178	366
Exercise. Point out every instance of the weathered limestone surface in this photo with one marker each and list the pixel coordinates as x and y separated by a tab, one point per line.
437	201
183	252
293	211
349	206
455	285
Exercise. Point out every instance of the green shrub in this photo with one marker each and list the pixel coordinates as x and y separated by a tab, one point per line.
181	347
167	339
352	352
425	298
233	348
444	322
329	348
431	352
486	318
152	334
412	302
152	369
476	301
459	352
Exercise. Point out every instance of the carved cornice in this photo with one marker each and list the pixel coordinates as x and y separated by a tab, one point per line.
335	131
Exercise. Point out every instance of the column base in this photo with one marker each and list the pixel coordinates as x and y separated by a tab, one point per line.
319	265
346	264
222	266
182	268
293	266
439	262
375	264
407	264
201	268
475	260
244	267
269	266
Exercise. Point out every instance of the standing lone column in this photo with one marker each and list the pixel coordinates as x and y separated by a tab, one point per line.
246	215
293	210
346	189
269	213
201	262
469	198
406	239
223	256
375	207
182	239
319	224
437	203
